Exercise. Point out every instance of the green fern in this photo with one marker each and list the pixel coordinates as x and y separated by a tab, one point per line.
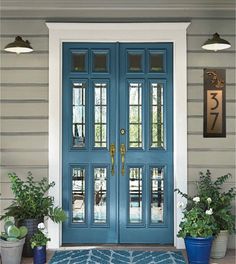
32	200
57	215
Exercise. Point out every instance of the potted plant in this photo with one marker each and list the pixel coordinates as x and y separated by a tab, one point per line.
38	243
197	227
12	241
221	205
31	205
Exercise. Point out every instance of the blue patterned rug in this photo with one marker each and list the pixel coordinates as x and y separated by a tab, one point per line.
99	256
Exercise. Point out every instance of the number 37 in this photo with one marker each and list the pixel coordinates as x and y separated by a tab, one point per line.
214	108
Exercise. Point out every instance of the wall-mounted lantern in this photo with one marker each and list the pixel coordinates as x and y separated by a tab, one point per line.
216	43
19	46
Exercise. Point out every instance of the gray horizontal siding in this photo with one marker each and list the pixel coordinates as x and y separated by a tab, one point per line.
107	15
193	172
38	172
25	76
195	92
24	158
122	4
218	157
210	59
30	125
196	108
26	141
196	75
20	93
21	27
196	125
209	26
198	141
25	60
29	109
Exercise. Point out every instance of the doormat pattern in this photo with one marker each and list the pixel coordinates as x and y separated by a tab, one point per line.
97	256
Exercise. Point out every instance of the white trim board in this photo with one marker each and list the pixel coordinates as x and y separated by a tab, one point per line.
117	32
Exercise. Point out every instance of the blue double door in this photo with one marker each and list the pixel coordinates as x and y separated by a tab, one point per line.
117	143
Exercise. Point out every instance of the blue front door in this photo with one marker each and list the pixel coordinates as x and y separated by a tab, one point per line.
117	143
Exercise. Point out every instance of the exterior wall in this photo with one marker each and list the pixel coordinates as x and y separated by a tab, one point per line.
24	95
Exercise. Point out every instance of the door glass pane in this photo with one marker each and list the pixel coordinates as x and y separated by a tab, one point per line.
78	195
157	135
100	193
134	62
78	62
135	115
100	115
135	195
156	62
157	195
100	62
79	114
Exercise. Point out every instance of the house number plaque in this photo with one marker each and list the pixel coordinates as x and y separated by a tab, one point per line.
214	103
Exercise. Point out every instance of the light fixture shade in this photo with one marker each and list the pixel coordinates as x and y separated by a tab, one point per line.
19	46
216	43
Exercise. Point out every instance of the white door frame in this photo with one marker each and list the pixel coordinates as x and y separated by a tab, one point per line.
117	32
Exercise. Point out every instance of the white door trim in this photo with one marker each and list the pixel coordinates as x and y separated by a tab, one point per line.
117	32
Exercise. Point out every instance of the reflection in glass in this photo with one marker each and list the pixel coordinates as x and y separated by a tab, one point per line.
157	135
135	115
134	62
100	115
157	195
100	62
100	193
79	115
156	62
78	62
135	195
78	195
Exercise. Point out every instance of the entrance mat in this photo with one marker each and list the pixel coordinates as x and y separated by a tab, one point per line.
100	256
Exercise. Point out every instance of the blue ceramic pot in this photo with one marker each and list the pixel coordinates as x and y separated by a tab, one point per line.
198	249
40	255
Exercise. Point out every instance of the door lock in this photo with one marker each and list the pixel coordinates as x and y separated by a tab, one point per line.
122	131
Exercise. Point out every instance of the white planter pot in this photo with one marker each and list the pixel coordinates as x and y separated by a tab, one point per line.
11	252
219	245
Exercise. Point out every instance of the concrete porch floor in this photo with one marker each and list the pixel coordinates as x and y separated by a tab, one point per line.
230	257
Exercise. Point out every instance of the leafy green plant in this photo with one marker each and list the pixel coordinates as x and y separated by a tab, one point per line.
13	233
32	200
221	200
198	221
210	199
40	237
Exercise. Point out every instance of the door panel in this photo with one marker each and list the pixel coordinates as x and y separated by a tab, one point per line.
117	143
89	110
146	189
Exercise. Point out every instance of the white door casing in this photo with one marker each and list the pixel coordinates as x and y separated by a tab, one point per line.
117	32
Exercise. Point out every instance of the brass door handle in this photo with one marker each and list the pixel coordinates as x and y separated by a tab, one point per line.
112	153
122	153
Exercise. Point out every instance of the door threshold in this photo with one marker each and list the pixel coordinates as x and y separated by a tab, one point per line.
154	247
